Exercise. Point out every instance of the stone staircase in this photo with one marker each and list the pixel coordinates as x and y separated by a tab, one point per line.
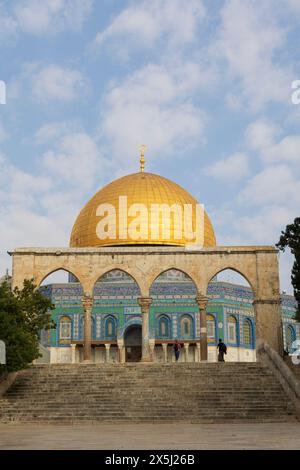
184	392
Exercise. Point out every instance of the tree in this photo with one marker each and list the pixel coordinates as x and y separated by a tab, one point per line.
23	314
291	238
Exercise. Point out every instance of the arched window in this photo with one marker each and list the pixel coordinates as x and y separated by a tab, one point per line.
164	327
211	328
65	329
110	327
247	332
187	327
290	337
232	329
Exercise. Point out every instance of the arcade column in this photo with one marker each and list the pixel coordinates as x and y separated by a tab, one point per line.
144	303
202	302
87	302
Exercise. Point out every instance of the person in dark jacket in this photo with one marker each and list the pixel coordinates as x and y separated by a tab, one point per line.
177	348
222	349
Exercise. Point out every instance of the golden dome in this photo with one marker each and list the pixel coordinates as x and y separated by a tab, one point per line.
117	209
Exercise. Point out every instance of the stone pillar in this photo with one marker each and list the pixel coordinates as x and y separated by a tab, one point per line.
186	352
202	302
73	353
165	352
268	323
87	302
144	303
121	347
107	352
198	353
152	349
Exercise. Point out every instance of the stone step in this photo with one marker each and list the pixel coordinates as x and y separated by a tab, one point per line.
146	393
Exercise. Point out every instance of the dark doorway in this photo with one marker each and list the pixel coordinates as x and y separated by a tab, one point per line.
133	343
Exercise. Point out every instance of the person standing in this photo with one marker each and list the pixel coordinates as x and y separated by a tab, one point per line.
222	348
177	348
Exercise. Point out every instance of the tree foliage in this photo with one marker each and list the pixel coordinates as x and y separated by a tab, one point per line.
290	238
23	314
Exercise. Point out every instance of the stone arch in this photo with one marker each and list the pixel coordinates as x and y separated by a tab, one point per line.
106	271
155	276
133	322
101	286
43	276
251	282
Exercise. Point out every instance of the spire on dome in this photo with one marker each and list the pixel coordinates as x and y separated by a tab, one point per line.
142	150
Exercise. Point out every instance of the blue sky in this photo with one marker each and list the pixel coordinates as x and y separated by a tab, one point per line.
206	85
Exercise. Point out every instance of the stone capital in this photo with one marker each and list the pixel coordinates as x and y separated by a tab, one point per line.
202	301
87	301
144	303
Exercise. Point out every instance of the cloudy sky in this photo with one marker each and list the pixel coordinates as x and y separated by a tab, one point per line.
206	84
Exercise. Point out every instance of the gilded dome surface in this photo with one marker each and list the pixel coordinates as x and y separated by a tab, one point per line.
119	203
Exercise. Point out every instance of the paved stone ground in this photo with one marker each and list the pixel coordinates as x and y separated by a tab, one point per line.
151	436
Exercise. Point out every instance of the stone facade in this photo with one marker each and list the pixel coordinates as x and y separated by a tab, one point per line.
230	316
259	266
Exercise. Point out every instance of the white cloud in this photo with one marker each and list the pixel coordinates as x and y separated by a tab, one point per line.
231	169
262	227
294	5
21	227
50	16
8	25
57	83
261	134
248	39
286	261
153	106
143	23
76	160
40	209
287	150
53	131
233	101
265	226
274	185
14	184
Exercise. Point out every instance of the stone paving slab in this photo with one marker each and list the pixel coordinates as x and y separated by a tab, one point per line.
150	436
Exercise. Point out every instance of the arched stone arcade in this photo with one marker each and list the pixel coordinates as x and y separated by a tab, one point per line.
258	265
